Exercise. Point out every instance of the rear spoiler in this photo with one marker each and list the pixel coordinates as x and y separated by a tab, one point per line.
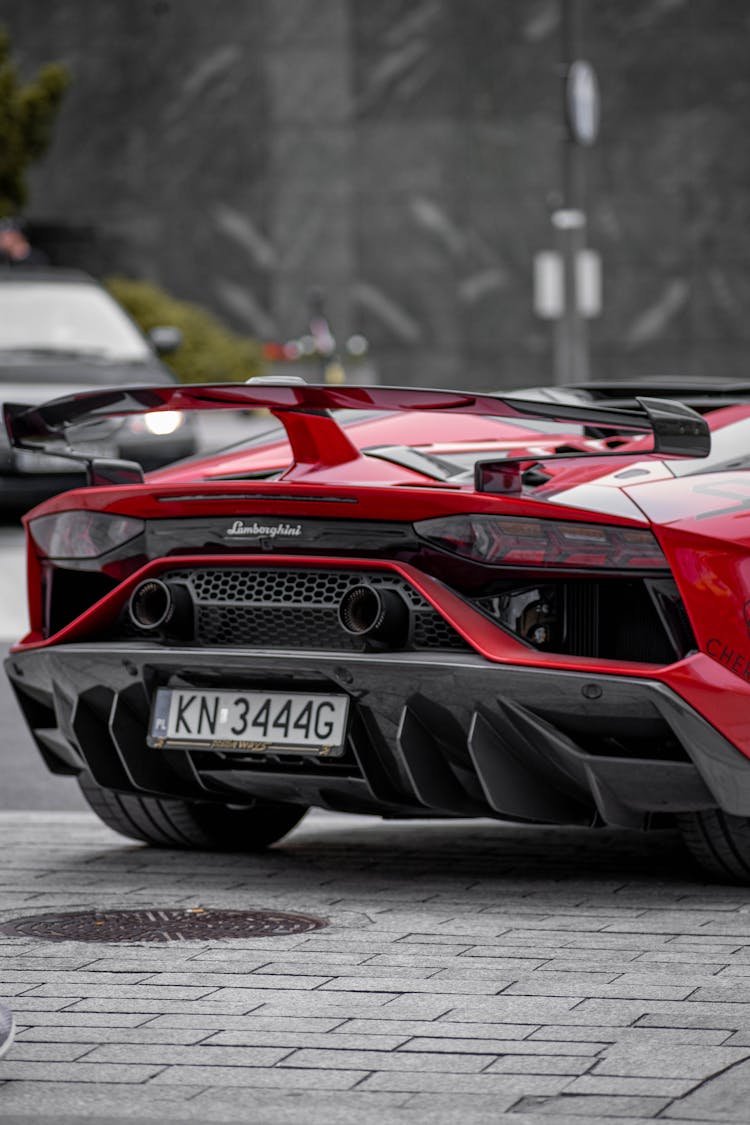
702	395
315	437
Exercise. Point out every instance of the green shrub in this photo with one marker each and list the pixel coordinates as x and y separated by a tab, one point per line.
27	114
210	352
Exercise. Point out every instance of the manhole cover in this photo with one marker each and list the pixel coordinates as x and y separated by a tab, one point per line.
160	925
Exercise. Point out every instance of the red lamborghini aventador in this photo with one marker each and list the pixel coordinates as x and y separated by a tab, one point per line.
532	606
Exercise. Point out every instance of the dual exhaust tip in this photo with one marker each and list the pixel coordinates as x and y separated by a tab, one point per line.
156	605
369	611
364	611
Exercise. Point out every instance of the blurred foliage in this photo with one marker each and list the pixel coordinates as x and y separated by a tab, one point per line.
210	353
27	114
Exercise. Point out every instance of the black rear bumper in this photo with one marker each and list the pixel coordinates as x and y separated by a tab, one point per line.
445	735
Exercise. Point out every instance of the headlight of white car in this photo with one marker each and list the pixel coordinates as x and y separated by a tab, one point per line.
163	422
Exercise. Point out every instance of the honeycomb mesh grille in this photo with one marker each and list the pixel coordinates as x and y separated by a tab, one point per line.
296	608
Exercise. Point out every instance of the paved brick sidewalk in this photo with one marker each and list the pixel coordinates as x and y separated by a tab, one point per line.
469	972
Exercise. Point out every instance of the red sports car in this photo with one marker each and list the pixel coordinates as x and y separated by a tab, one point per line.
532	606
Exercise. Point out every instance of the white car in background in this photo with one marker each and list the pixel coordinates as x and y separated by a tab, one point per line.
61	332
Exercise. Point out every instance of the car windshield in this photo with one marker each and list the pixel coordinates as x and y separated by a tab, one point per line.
71	318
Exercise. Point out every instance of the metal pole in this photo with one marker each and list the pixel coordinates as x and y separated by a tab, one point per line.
571	336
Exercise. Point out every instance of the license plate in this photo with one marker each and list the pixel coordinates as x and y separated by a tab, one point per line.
256	721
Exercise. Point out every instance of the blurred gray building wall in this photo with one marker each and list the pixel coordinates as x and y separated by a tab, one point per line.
403	156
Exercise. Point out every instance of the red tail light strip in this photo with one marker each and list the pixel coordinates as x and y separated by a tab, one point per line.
524	541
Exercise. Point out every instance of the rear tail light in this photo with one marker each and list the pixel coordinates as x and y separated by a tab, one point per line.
81	534
510	541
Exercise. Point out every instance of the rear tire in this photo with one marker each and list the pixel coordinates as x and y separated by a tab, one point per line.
173	823
719	843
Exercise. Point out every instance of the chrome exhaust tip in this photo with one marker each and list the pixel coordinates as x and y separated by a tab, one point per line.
150	604
157	605
382	614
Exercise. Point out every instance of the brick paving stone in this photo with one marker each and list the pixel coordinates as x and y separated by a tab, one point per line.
510	960
275	1108
416	969
340	1058
479	971
24	1051
434	986
355	943
80	977
24	1002
504	1046
292	1039
197	967
600	986
568	1107
689	956
317	1002
97	1035
540	1064
12	990
259	1077
640	1033
383	1005
222	986
518	1084
437	1109
77	1071
686	1017
547	953
732	972
478	1108
677	1060
319	1105
66	1018
730	993
123	992
699	942
289	960
257	1020
338	1107
435	939
446	1028
723	1014
513	1009
148	1006
676	971
199	1055
53	1099
613	1084
608	1012
724	1098
36	962
568	976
